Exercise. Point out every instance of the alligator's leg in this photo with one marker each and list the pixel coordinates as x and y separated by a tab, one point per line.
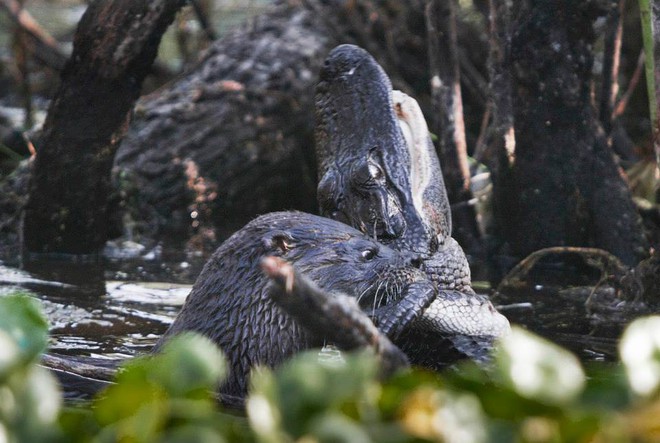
335	317
393	319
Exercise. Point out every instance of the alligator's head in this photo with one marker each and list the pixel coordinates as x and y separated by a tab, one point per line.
371	174
378	172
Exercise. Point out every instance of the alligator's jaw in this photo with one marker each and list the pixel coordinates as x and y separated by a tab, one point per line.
364	164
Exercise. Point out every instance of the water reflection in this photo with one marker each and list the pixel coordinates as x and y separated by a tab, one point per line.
98	318
81	279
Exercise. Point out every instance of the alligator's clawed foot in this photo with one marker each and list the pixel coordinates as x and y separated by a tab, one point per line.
393	319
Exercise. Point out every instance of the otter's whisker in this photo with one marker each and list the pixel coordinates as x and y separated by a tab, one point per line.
376	294
362	294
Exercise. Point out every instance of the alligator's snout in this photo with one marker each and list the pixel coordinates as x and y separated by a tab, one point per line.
343	61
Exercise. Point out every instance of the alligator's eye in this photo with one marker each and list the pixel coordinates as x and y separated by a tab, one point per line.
368	254
375	171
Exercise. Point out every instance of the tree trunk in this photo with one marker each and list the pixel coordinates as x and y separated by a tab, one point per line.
233	138
115	44
563	185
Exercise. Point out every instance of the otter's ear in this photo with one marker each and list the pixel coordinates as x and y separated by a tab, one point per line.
278	240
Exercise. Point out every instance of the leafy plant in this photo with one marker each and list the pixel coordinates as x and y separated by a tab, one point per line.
533	391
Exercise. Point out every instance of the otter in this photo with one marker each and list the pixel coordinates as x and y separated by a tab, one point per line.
230	301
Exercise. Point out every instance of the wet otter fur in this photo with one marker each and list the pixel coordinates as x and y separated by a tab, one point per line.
230	303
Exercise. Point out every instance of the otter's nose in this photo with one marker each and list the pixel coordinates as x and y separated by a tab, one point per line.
414	260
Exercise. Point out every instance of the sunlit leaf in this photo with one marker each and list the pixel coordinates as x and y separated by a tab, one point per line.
262	409
30	403
443	416
536	368
640	354
10	355
643	422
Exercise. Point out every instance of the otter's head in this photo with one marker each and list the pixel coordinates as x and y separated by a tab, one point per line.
339	258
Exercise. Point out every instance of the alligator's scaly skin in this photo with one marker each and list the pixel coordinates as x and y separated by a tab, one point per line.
378	172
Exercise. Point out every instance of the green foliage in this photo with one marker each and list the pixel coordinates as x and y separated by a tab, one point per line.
23	324
29	396
167	397
534	392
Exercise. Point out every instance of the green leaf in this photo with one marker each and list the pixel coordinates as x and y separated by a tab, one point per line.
607	387
191	433
22	321
126	399
304	388
189	362
337	428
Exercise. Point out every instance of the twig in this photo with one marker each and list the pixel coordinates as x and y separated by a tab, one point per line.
655	26
20	56
445	86
480	145
611	61
603	260
45	47
30	145
473	78
502	148
14	156
338	318
621	105
648	38
203	20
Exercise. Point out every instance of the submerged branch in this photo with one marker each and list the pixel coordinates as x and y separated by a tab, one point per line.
44	46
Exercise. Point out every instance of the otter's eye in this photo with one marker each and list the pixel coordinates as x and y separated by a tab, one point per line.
368	254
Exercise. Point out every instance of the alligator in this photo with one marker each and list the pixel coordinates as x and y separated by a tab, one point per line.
378	172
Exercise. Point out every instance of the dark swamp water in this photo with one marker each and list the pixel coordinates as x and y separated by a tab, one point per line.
119	310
